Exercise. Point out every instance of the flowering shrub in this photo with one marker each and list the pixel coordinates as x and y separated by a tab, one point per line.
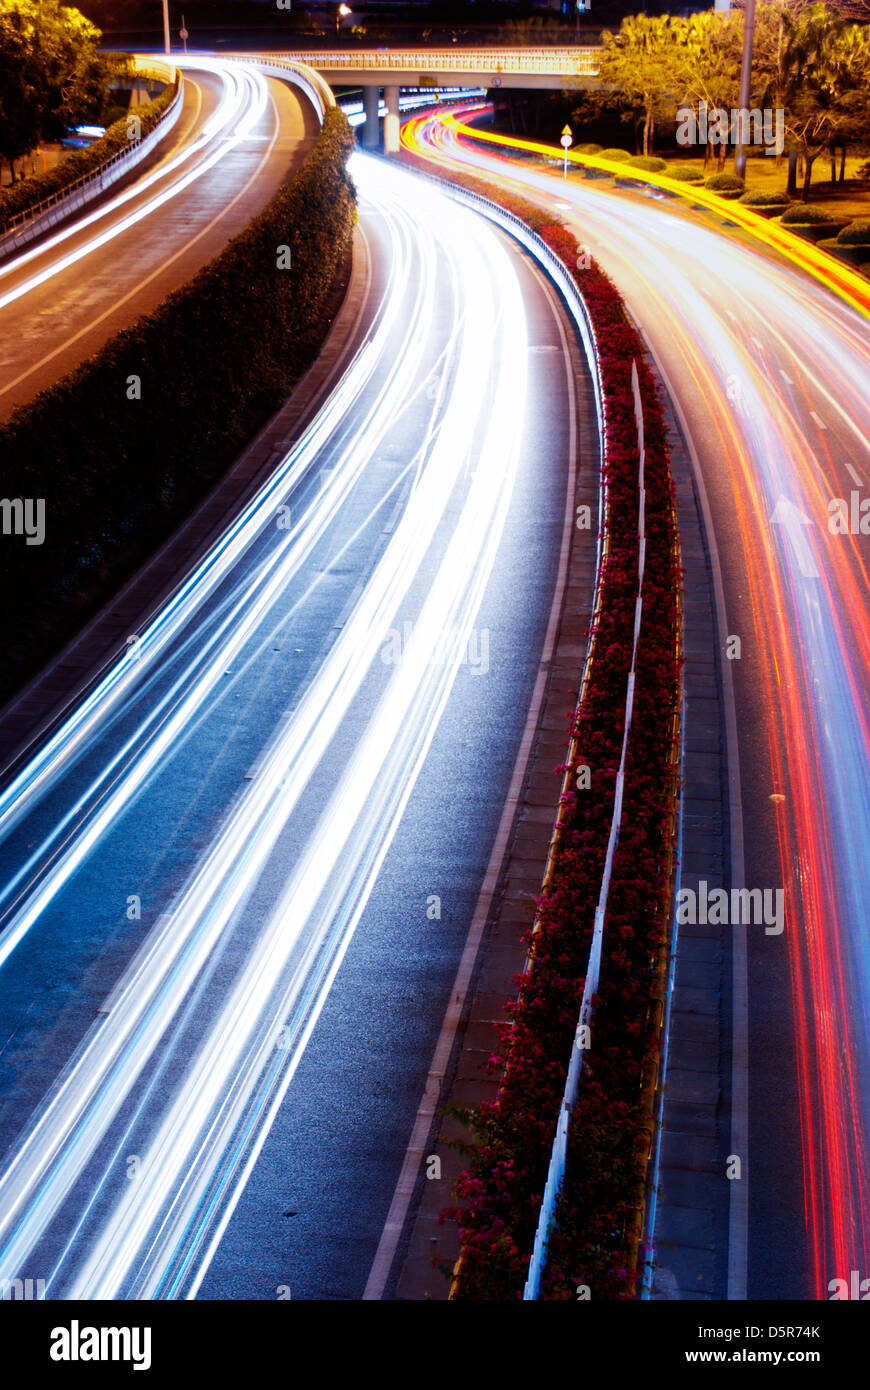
499	1195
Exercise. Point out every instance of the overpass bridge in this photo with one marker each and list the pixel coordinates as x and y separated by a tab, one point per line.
390	69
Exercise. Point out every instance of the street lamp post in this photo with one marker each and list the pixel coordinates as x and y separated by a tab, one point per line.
340	14
165	26
745	83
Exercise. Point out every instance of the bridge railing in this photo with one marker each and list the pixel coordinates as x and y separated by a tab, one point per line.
568	62
298	70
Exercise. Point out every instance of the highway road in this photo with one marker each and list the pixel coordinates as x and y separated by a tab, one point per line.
770	375
239	136
238	878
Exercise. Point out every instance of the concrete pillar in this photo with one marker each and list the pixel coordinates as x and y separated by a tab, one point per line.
371	129
391	120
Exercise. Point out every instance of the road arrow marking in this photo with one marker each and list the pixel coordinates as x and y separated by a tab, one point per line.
795	522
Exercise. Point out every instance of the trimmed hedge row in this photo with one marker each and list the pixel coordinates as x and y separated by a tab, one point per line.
210	364
20	197
500	1193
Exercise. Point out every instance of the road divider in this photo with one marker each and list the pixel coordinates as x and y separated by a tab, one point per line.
122	447
600	940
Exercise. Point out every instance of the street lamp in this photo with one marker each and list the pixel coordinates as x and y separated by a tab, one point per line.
165	26
340	14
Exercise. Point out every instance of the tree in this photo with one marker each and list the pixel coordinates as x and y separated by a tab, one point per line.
635	71
821	77
51	75
707	64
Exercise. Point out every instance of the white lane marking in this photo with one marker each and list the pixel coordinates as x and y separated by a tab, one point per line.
785	376
856	477
819	421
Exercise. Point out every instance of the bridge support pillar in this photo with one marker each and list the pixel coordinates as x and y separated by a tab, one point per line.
371	129
391	120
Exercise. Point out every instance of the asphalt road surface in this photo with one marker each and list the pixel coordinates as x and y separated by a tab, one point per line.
770	374
239	877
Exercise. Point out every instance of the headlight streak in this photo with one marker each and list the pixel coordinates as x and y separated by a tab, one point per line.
811	634
133	668
274	575
247	100
159	1244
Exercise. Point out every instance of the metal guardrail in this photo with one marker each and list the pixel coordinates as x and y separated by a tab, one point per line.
556	1170
24	226
566	62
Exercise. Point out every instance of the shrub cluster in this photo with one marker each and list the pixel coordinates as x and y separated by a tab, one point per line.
209	364
756	198
652	164
685	174
724	183
856	234
20	197
616	156
804	215
499	1195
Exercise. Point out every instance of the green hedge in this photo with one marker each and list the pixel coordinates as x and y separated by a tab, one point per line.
20	197
724	183
214	360
682	174
803	215
616	156
856	234
755	198
652	164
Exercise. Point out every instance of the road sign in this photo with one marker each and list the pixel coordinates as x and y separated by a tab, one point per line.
566	139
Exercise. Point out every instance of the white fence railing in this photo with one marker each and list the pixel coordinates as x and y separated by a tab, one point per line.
558	1155
33	221
562	62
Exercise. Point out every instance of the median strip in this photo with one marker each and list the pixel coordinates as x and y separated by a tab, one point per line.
594	1242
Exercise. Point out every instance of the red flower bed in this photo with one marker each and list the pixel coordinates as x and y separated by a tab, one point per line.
595	1242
